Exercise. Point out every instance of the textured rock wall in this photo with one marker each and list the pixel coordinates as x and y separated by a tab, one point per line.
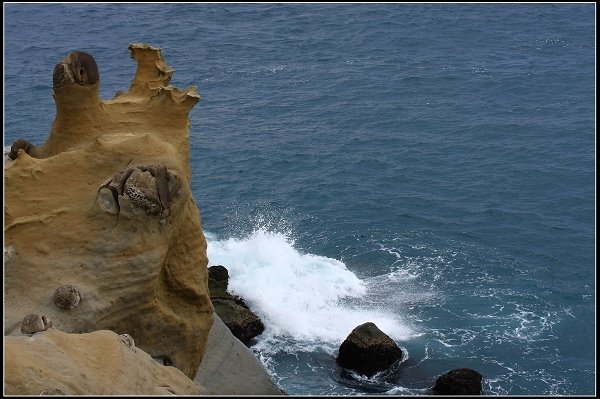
145	275
97	363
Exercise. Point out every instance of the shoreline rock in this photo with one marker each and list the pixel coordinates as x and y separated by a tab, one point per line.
459	382
368	350
233	311
104	248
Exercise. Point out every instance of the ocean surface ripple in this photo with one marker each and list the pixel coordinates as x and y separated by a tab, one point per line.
428	167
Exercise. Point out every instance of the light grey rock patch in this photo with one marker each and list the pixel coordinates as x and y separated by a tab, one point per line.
230	368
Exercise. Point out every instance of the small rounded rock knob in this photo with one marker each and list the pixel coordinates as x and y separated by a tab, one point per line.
76	68
66	297
33	323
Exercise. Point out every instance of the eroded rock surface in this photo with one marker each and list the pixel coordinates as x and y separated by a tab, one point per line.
34	323
98	363
145	276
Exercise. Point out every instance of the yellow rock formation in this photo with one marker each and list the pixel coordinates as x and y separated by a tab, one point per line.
98	363
146	275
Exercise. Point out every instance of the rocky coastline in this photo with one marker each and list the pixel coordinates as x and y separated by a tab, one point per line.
107	289
367	351
105	265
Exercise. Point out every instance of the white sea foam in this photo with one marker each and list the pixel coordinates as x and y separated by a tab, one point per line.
5	156
301	297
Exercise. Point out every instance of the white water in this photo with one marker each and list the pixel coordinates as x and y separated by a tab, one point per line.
5	154
305	298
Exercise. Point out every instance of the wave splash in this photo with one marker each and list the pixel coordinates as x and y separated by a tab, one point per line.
307	300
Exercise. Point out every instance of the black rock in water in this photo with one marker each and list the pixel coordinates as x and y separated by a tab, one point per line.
459	382
368	350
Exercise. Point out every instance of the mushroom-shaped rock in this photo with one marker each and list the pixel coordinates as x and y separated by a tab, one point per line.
33	323
76	68
459	382
66	297
368	350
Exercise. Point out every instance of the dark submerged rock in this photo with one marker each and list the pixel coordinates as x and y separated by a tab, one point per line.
459	382
368	350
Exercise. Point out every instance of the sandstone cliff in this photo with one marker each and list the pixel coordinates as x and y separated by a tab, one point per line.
105	206
101	363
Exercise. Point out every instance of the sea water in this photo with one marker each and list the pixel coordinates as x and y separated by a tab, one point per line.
426	167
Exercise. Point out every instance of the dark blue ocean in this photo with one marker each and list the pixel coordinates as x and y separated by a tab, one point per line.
427	167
